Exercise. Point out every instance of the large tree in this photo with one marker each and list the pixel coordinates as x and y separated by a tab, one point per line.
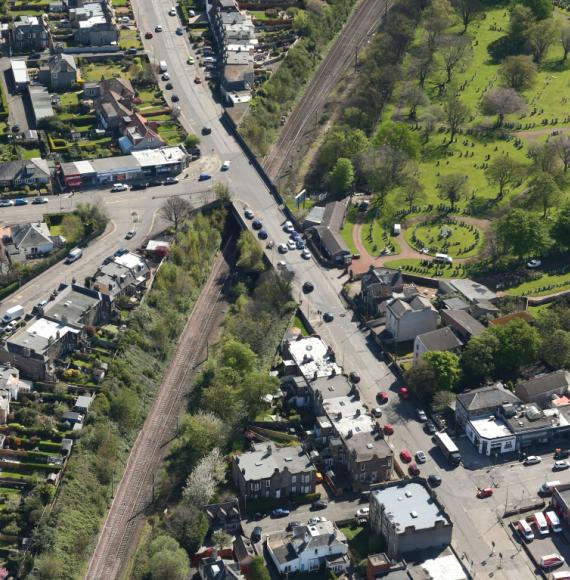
175	210
518	72
452	187
561	229
503	171
543	192
446	367
421	63
556	349
453	52
565	40
414	191
501	102
456	113
544	157
341	142
478	358
541	37
522	233
341	178
398	136
188	524
540	9
467	10
438	16
413	96
562	149
384	169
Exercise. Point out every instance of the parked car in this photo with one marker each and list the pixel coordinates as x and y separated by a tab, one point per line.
413	470
131	50
288	227
206	130
365	496
148	35
308	287
39	200
204	177
225	165
319	504
534	263
256	224
315	520
6	203
388	429
21	201
382	397
170	180
262	235
130	234
434	480
363	512
562	454
139	186
377	412
305	254
430	428
484	493
328	317
158	28
180	31
190	60
256	534
119	187
525	530
560	465
174	98
300	245
421	416
282	248
532	460
291	244
551	561
168	86
280	513
292	525
404	392
421	457
405	456
248	214
165	76
172	11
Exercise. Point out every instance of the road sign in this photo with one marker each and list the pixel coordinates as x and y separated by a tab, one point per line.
300	198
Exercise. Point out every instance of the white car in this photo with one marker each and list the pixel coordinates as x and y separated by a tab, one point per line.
283	249
534	264
119	187
288	227
532	460
421	457
560	465
248	214
316	519
165	77
225	165
363	512
130	234
305	254
172	11
376	412
291	245
6	203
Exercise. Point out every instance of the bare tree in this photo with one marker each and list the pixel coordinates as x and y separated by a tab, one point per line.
437	18
503	171
565	40
453	51
562	148
414	97
544	157
414	191
501	102
421	63
175	210
456	113
468	10
429	119
543	192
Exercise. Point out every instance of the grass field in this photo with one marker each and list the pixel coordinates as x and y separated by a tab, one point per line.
415	267
430	234
129	39
543	286
96	71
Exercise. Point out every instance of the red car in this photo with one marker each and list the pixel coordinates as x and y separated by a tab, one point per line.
388	429
405	393
405	456
198	80
382	397
483	493
148	35
413	469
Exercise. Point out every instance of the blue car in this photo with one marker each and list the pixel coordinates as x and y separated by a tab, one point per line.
204	177
295	236
256	224
300	245
21	201
280	513
262	235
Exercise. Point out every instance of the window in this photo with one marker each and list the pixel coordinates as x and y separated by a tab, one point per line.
267	483
294	489
363	477
362	466
508	444
294	478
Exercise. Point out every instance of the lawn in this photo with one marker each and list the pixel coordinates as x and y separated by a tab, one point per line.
96	71
172	133
451	238
129	39
415	267
362	542
298	323
546	284
29	153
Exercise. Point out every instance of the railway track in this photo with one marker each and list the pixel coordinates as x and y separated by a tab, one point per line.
363	22
117	538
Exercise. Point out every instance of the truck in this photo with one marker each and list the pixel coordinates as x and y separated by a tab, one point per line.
74	255
12	314
162	66
448	447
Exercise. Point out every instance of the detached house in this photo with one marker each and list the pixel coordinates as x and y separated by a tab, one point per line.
94	24
406	319
33	172
60	74
124	274
28	34
378	285
30	240
140	134
442	339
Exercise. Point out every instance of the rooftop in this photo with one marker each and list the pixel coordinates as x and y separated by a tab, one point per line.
543	384
331	386
348	416
132	261
72	304
162	156
119	163
464	320
440	339
367	446
268	458
455	304
40	333
472	290
487	397
313	357
491	428
41	102
19	70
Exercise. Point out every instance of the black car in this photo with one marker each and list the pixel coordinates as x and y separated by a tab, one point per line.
256	534
308	287
354	377
562	454
319	504
434	480
292	525
365	496
256	225
328	317
206	130
430	428
174	98
139	186
168	86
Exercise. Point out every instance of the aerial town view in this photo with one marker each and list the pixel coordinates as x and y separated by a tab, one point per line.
284	289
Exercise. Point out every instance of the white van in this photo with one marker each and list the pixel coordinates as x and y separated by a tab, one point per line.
547	487
444	258
540	522
397	229
525	530
162	66
12	314
553	522
74	255
559	575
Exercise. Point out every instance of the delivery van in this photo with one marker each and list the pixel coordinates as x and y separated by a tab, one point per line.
559	575
525	530
74	255
553	521
540	523
14	313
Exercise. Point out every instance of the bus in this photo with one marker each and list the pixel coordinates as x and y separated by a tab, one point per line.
448	447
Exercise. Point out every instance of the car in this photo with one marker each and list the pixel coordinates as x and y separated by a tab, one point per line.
158	28
39	200
148	35
39	307
131	50
6	203
560	465
388	429
16	129
315	520
170	180
282	248
308	287
382	397
256	224
130	234
291	245
484	493
174	98
300	245
421	416
256	535
197	80
248	214
319	504
551	561
434	480
206	130
139	186
204	177
413	470
172	11
119	187
280	513
534	264
404	392
262	235
421	457
376	412
328	317
295	236
354	377
430	428
190	60
180	31
405	456
305	254
288	227
165	76
292	525
363	512
20	201
168	86
532	460
561	454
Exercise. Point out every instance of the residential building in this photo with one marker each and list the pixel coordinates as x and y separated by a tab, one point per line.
41	103
218	568
114	103
29	240
20	74
482	402
324	388
327	237
11	382
408	515
544	387
60	72
310	548
94	24
224	516
28	34
469	290
442	339
120	275
34	172
238	77
271	471
139	134
310	357
378	285
462	323
244	552
406	319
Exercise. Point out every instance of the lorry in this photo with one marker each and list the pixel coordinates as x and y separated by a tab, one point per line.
74	255
162	66
12	314
448	447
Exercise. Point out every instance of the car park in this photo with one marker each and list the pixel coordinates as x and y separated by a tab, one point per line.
363	512
119	187
421	416
382	397
305	254
256	535
413	470
560	465
376	412
532	460
434	480
21	201
319	504
483	493
405	456
388	429
39	200
280	513
282	248
421	457
404	392
204	177
130	234
328	317
262	235
256	224
308	287
6	203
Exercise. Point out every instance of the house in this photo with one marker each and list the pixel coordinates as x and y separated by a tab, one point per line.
543	388
123	274
224	516
309	548
29	240
482	402
94	24
327	237
218	568
114	103
442	339
34	172
60	72
139	134
378	285
467	289
464	325
271	471
408	515
238	76
405	319
11	382
20	74
244	552
82	404
28	34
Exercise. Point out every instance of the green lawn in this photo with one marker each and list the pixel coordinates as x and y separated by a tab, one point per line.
546	284
432	236
69	99
415	267
362	542
259	14
29	153
298	323
96	71
129	39
172	133
120	3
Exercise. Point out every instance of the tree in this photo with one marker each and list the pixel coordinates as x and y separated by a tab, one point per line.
541	36
341	178
543	192
443	399
258	569
562	149
414	191
518	72
478	358
456	113
520	23
544	157
561	229
540	9
501	102
565	40
169	561
398	136
202	482
93	216
125	409
192	140
453	51
237	356
503	171
250	253
221	539
188	524
384	169
522	233
438	16
556	349
468	10
421	63
413	96
222	192
72	228
175	210
452	187
446	367
341	142
429	119
519	346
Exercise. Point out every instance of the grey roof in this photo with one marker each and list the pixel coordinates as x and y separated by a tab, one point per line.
331	240
399	308
367	446
72	416
463	319
331	386
83	402
29	235
72	304
315	216
440	339
386	276
334	215
487	397
420	303
267	458
21	169
39	334
41	102
455	304
410	504
558	380
472	290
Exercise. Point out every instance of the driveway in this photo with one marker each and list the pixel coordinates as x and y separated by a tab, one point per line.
17	104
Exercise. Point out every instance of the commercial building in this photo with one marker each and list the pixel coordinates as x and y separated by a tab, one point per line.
409	517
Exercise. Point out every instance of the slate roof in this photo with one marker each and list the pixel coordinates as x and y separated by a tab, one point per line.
440	339
386	276
464	320
542	384
486	398
33	234
262	463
